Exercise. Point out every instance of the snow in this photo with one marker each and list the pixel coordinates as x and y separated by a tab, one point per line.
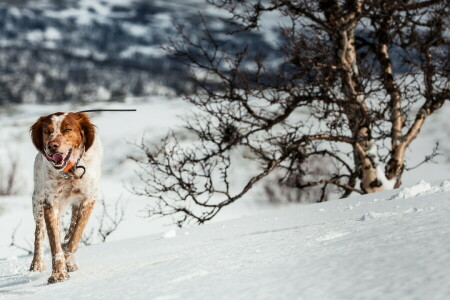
386	184
319	251
136	29
390	245
422	188
52	33
35	35
103	93
144	50
169	234
374	215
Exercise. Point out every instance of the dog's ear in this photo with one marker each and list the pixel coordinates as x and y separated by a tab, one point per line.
36	134
87	129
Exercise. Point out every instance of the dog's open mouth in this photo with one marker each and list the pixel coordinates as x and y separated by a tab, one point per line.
59	160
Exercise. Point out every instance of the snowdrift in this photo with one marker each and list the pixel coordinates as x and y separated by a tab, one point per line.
392	245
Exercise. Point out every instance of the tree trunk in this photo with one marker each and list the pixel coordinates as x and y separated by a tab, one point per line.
356	110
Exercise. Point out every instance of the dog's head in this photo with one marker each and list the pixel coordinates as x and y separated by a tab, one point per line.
59	135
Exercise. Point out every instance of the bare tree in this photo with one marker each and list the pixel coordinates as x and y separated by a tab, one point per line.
368	73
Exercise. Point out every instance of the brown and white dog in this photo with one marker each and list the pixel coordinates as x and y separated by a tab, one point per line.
67	144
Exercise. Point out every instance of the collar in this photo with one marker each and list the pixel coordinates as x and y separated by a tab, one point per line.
69	170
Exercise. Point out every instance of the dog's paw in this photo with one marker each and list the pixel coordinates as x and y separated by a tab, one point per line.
58	276
37	266
71	267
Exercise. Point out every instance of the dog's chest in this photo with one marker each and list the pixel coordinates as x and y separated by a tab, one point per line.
67	189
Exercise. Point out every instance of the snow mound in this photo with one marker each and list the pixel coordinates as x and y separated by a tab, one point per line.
420	189
169	234
319	251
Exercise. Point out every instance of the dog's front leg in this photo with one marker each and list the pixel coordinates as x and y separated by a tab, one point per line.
70	247
51	216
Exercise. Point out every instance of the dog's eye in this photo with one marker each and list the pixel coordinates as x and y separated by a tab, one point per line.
67	130
47	131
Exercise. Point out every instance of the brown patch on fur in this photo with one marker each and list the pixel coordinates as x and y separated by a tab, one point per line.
39	138
88	129
37	134
75	133
80	216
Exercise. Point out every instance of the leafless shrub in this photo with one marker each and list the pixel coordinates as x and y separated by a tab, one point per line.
108	221
14	243
87	237
8	178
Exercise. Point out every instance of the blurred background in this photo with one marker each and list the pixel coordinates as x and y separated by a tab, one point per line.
87	51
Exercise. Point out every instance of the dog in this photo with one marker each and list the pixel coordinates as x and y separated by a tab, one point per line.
66	173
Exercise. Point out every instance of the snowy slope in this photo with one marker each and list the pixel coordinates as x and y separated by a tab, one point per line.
393	245
153	120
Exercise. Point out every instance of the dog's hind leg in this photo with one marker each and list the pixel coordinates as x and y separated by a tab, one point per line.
71	246
38	263
73	222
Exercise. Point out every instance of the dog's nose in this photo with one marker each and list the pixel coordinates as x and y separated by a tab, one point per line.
53	146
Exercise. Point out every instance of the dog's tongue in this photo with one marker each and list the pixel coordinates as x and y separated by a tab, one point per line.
57	157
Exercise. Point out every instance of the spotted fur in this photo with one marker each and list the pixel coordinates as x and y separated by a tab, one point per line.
73	136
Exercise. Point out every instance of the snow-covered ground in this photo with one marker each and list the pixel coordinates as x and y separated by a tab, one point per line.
392	245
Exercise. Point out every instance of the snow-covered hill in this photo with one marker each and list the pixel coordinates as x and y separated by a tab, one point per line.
390	245
393	245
